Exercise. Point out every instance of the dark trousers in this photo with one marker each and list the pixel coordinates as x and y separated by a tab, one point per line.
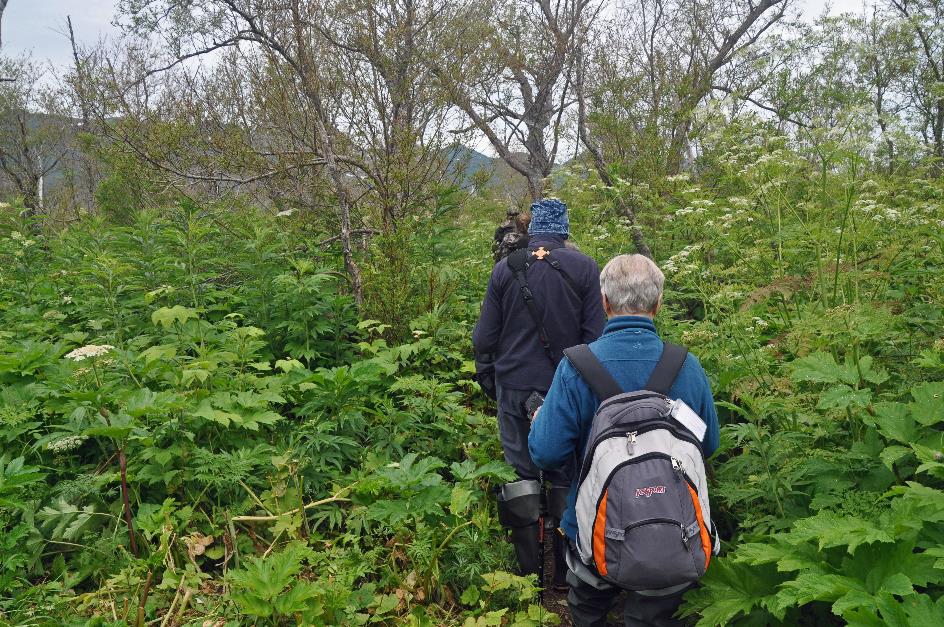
589	606
514	425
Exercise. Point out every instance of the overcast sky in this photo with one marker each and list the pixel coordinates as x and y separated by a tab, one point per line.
40	25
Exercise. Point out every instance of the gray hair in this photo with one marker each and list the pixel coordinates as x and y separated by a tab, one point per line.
632	284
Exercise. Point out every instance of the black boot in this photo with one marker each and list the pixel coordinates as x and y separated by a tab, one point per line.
519	510
527	549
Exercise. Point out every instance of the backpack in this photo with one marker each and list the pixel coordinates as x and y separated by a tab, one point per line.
643	517
510	242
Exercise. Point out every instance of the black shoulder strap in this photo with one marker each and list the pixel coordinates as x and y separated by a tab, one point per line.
518	264
556	264
518	261
593	372
662	378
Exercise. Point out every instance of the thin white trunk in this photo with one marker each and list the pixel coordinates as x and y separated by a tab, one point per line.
3	5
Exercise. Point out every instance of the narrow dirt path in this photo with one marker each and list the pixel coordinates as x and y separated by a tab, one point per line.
554	601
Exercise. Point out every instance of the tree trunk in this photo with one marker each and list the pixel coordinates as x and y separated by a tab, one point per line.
305	68
31	196
3	5
535	187
937	133
344	205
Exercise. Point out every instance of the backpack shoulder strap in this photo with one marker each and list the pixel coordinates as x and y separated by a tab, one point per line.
671	362
556	264
593	372
518	261
518	264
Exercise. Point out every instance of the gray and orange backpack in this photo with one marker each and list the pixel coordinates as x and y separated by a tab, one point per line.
643	517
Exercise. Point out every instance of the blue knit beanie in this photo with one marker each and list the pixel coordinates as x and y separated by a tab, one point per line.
549	216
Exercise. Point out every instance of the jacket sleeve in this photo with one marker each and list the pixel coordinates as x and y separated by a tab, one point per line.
487	330
592	317
555	433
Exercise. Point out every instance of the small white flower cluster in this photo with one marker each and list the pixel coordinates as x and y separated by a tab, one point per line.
85	352
725	296
679	261
757	324
24	242
68	443
285	213
698	336
877	211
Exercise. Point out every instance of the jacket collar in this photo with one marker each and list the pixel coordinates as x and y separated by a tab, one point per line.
548	240
624	323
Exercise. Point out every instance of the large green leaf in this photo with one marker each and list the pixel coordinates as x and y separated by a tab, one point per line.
166	316
730	591
893	421
842	396
15	474
830	529
809	587
928	405
822	368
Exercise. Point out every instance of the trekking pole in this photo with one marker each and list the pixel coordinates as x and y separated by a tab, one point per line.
543	512
531	406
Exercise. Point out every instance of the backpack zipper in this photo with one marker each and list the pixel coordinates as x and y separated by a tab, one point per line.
667	521
650	521
643	395
645	427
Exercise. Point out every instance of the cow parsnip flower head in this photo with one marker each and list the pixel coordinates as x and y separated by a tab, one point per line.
66	444
92	350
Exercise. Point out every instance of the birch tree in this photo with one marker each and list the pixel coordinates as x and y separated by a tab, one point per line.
511	73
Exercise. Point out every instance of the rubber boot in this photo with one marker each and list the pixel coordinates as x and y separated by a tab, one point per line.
527	549
519	510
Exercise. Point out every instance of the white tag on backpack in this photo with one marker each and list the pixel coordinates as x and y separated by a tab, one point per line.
687	417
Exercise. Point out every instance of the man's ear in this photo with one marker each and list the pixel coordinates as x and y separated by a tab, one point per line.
606	305
658	306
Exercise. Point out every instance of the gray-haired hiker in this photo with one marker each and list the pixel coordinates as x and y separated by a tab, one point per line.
639	415
540	300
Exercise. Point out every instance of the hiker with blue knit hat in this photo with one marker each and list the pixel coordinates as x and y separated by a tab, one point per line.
540	300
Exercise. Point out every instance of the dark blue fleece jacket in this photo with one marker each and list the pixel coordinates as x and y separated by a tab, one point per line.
629	348
506	328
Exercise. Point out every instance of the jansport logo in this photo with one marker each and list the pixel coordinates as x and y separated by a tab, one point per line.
647	492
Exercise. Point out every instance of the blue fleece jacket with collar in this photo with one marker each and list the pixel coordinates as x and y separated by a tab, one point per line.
629	348
506	328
